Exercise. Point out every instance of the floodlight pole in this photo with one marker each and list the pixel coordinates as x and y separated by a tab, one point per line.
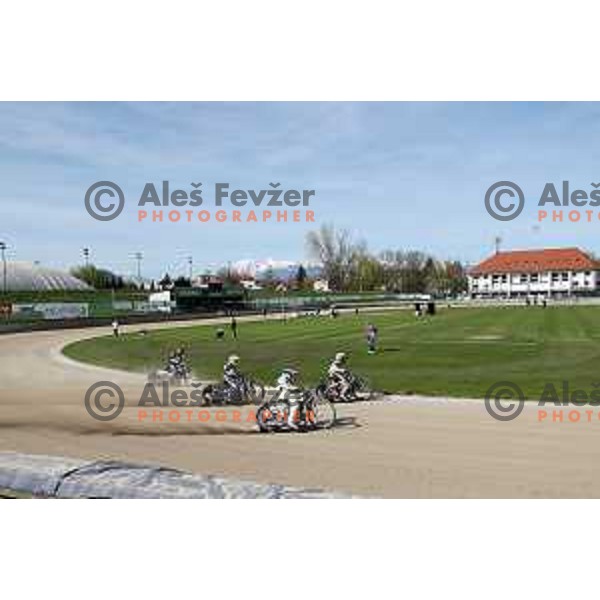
138	258
3	250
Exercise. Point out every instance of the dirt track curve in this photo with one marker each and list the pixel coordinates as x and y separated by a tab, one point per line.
410	447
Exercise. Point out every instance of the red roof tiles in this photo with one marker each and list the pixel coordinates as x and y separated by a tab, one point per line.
536	261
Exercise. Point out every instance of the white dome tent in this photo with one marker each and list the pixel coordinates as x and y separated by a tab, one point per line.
27	277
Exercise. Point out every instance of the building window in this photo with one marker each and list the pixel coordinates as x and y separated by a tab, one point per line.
535	278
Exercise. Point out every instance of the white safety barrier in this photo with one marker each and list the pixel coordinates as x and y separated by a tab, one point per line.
60	477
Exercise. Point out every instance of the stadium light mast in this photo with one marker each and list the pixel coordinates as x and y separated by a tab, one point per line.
86	256
138	257
191	264
3	250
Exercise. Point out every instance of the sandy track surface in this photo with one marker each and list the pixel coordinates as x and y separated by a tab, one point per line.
411	447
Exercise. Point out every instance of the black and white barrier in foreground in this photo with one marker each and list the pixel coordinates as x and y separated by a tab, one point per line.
60	477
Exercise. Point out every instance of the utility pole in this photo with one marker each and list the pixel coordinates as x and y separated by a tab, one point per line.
3	250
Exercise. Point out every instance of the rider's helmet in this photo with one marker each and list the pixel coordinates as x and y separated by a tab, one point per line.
233	359
340	358
289	375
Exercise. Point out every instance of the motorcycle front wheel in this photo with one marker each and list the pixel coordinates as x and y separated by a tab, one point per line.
362	389
320	413
255	392
208	395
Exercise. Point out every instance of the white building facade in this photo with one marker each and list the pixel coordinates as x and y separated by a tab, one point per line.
555	272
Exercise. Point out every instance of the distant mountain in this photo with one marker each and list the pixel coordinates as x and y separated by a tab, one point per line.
278	269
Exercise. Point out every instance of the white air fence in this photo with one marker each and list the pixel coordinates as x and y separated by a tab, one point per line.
60	477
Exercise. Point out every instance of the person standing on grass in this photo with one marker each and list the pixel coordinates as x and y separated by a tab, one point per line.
371	336
234	327
115	327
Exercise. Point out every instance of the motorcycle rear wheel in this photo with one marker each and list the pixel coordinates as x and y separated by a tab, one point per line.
265	419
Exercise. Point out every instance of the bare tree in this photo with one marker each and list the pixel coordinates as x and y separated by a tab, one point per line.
348	265
336	251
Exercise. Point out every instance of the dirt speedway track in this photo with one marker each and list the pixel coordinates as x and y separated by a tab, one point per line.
408	447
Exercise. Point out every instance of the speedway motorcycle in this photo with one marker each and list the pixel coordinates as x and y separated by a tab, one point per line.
311	411
358	389
219	394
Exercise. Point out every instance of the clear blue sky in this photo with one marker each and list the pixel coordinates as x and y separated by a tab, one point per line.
400	175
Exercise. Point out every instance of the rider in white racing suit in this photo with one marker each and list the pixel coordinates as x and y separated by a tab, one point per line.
177	364
289	391
232	376
339	375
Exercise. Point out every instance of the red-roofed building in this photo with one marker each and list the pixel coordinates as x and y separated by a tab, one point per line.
548	272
